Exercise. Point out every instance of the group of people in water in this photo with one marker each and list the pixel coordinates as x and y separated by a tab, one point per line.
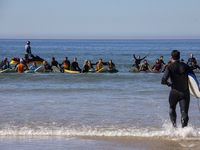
159	63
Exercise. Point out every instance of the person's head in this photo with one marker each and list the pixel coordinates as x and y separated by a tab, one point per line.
175	55
191	55
89	62
34	64
86	61
7	63
157	61
145	61
53	58
100	60
110	61
28	42
66	58
75	59
138	57
181	59
5	58
44	62
161	57
21	60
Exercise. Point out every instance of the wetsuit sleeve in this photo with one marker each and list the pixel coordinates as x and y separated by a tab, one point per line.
105	63
166	76
134	57
153	66
143	58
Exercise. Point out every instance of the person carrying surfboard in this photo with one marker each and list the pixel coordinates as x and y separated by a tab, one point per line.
178	73
138	60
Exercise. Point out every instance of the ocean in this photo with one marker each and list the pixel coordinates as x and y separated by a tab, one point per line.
94	111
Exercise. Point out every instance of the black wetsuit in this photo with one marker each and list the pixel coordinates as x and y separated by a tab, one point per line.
85	68
47	67
161	62
74	67
54	63
190	60
2	64
178	73
137	61
144	67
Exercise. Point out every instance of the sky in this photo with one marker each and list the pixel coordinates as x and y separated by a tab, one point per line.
99	19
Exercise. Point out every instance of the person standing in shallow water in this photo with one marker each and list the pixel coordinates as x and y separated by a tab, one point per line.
178	73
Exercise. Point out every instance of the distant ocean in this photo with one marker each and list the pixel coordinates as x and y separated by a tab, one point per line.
93	111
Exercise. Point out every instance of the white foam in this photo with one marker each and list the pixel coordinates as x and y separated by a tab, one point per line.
167	131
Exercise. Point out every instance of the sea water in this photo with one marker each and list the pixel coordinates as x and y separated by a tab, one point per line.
94	111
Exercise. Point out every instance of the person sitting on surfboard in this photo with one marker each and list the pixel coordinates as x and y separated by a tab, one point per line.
194	65
6	66
54	62
66	63
138	60
33	67
99	65
190	60
145	66
21	66
74	65
111	65
85	67
46	65
161	60
90	65
3	63
178	73
157	65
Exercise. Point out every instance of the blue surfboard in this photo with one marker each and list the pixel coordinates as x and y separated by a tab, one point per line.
193	85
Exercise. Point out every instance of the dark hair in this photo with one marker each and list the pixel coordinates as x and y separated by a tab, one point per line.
53	58
175	54
161	56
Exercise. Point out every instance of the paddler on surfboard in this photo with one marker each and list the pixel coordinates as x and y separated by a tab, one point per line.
100	64
178	73
138	60
157	66
20	67
66	63
74	65
145	66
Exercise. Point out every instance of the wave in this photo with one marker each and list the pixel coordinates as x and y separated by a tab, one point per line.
167	132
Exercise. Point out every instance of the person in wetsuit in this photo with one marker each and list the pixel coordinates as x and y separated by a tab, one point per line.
100	64
190	60
194	65
60	68
66	63
157	65
85	67
111	65
6	66
145	66
28	51
46	65
181	60
33	67
178	73
54	62
90	65
3	63
138	60
161	60
74	65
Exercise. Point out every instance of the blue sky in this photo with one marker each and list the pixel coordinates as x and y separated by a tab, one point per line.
100	19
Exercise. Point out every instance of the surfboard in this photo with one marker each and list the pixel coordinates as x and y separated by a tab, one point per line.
196	71
92	71
29	71
70	71
40	69
56	69
5	71
112	71
13	70
134	70
193	85
155	71
103	70
142	71
47	71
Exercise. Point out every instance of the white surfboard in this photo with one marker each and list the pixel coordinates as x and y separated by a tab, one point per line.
56	69
40	69
5	71
193	85
134	70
